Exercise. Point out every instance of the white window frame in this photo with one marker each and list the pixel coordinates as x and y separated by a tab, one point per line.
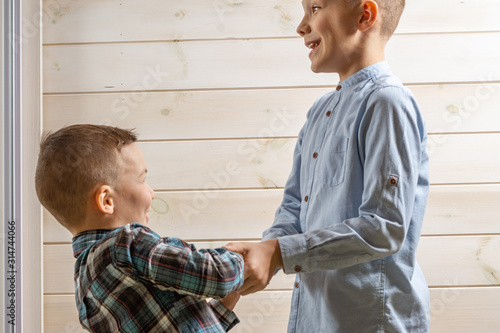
20	127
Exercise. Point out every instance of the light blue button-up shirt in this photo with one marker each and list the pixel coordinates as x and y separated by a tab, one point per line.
352	211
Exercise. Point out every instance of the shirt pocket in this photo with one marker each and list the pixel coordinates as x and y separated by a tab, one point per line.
332	162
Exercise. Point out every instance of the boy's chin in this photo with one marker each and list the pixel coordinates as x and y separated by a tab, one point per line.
320	69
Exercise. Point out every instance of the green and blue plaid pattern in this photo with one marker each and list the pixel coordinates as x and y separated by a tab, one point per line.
131	280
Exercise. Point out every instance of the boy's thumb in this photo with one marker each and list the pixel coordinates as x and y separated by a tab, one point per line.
235	247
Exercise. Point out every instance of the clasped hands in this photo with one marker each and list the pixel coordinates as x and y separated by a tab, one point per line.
261	262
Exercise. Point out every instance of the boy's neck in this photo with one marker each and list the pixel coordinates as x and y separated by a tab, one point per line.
97	223
363	60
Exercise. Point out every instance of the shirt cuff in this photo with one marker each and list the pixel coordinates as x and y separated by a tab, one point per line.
294	253
226	317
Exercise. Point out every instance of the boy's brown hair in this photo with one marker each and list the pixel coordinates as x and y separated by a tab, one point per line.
391	11
72	162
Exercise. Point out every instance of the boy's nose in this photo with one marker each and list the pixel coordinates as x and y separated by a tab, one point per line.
303	28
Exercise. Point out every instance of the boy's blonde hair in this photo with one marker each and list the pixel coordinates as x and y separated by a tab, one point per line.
72	162
390	10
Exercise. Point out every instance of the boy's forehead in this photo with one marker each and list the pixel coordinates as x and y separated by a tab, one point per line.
132	157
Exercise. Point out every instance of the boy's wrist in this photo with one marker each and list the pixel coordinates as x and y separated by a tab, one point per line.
276	258
230	300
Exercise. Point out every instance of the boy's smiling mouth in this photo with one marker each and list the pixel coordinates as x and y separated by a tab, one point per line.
312	46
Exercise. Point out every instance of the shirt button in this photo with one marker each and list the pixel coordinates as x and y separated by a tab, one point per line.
339	87
393	181
315	155
328	113
297	269
296	284
306	199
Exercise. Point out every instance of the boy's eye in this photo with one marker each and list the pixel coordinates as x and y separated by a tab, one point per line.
315	9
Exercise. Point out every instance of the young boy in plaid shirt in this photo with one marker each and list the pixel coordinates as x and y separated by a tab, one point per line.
127	278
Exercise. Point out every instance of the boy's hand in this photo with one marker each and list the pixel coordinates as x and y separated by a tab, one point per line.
261	261
230	300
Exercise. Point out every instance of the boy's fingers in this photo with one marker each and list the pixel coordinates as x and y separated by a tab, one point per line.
251	288
257	264
247	287
228	246
252	284
243	289
235	247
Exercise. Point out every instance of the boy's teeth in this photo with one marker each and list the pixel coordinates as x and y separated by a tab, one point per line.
311	45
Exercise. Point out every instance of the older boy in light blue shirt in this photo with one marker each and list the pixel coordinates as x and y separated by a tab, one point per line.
353	206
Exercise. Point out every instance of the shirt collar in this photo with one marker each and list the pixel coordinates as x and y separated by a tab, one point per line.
375	70
89	238
86	239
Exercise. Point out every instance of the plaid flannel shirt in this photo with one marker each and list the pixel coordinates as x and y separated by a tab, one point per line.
131	280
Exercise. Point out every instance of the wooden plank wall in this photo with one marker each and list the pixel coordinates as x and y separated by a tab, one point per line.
218	91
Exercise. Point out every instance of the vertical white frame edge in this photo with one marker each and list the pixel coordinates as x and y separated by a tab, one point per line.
32	300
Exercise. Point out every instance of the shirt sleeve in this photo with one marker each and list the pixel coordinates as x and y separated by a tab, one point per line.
226	317
391	145
172	264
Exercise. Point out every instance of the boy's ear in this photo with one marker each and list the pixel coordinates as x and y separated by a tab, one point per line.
104	200
369	15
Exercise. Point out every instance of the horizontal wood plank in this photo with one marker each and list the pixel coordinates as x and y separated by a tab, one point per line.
445	261
458	310
460	108
209	165
465	310
263	312
193	215
460	261
275	63
66	21
463	209
188	114
462	159
265	163
60	314
129	20
424	16
257	113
